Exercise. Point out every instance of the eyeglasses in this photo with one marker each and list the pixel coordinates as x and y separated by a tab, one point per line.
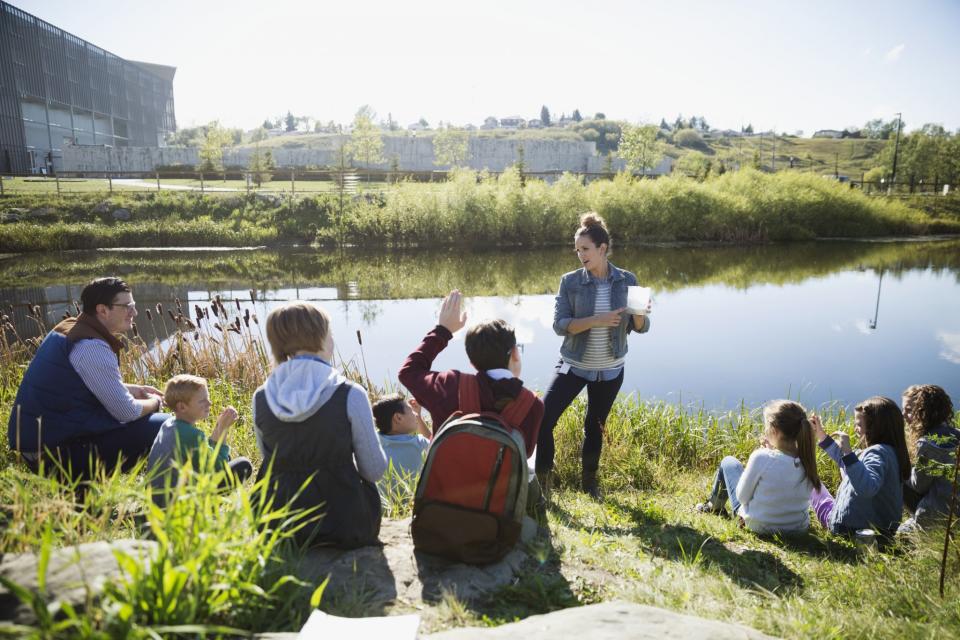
131	306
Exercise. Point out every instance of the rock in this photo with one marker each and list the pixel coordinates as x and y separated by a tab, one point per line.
102	208
42	213
121	214
396	573
269	199
7	217
608	621
71	573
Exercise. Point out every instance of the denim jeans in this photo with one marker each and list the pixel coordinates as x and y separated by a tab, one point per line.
725	484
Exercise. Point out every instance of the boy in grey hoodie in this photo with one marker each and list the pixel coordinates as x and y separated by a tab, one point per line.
316	433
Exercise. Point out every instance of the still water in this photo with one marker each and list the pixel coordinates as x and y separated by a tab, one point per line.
823	322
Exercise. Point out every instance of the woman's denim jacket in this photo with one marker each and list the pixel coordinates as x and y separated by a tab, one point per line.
576	299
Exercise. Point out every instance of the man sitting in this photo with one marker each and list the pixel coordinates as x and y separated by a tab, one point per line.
72	408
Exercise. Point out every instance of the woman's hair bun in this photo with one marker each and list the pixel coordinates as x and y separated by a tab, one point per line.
592	219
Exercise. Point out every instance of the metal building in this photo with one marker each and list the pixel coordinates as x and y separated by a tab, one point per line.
57	89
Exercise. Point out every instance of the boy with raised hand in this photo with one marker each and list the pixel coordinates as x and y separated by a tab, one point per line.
492	349
179	439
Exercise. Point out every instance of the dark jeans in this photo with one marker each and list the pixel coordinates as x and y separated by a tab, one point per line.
562	391
124	446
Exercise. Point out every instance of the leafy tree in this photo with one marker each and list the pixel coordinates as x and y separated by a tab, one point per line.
365	141
605	133
703	124
879	130
259	135
545	116
640	148
695	165
664	125
576	115
599	115
423	123
748	129
688	138
267	124
261	164
679	123
211	151
451	147
291	122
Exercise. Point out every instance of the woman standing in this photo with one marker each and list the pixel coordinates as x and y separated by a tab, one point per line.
590	314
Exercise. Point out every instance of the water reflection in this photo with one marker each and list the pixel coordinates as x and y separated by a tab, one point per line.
729	323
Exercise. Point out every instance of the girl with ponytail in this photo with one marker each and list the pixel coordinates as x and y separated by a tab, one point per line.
772	494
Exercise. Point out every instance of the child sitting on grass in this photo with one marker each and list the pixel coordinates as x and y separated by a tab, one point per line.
870	495
180	440
404	436
772	494
928	412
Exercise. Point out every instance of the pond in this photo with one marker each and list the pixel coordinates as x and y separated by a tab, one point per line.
821	321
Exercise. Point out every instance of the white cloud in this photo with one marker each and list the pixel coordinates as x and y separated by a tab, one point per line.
894	54
950	346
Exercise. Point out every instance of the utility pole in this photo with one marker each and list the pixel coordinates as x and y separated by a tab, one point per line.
896	149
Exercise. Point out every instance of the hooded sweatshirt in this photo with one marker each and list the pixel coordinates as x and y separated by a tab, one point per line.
297	388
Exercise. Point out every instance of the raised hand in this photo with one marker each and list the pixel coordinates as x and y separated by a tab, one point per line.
817	425
451	317
227	417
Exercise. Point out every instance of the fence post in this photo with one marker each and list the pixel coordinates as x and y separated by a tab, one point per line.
57	178
158	182
1	185
110	183
201	182
293	182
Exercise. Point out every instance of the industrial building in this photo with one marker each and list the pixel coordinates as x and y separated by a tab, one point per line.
57	89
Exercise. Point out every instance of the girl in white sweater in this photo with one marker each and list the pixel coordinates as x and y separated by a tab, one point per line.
772	494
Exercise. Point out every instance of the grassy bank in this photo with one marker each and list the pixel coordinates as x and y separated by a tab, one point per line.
642	542
476	209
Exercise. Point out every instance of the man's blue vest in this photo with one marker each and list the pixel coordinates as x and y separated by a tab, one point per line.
53	404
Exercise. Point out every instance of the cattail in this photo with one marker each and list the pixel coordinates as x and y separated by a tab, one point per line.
206	313
189	324
136	332
4	318
199	313
159	309
218	327
236	323
177	302
172	317
213	306
149	315
237	300
255	321
246	318
196	336
253	295
36	310
233	328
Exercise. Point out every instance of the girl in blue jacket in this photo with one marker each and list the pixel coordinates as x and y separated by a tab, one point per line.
870	495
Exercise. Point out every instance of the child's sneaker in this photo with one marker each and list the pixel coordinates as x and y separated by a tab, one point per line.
708	506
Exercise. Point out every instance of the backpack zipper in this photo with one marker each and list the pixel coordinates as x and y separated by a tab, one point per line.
494	476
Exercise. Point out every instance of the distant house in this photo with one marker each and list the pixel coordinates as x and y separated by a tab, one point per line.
852	133
512	122
565	121
828	133
534	123
730	133
490	123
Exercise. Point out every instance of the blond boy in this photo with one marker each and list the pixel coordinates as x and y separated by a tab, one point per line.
180	440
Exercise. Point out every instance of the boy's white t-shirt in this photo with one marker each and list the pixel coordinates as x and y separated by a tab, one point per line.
774	493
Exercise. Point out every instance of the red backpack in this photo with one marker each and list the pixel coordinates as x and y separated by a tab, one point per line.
472	493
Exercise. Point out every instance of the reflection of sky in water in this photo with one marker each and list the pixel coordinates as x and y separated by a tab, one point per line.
714	344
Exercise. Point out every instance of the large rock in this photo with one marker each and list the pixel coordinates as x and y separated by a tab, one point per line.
395	573
42	213
121	214
102	208
608	621
71	573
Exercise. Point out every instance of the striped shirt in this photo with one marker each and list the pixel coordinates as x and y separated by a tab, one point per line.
96	364
598	355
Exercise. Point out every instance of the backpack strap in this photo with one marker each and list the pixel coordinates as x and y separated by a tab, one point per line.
468	393
515	412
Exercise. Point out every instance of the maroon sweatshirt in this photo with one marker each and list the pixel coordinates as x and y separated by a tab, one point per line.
438	391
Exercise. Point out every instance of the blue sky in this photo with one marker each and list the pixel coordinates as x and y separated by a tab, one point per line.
776	64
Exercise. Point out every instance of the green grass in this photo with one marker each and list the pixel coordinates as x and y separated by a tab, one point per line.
470	208
643	542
